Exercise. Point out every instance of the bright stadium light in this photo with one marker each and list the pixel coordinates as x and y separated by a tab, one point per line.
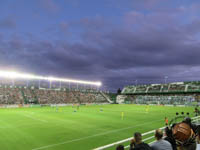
16	75
73	81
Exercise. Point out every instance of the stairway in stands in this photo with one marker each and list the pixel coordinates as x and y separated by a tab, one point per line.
106	97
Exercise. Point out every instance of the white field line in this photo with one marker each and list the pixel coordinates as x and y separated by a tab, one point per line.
87	137
28	116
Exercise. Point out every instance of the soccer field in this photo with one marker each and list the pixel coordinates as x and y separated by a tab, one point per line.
47	129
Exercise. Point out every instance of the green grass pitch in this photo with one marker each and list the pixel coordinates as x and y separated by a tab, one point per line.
46	129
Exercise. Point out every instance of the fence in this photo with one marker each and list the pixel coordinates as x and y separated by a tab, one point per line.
149	137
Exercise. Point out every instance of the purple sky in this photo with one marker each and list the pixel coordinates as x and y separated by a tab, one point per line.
114	41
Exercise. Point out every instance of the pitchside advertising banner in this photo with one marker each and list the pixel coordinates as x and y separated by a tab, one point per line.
45	105
10	106
18	106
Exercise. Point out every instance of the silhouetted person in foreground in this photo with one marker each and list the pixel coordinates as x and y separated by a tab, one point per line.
120	147
160	144
169	137
137	144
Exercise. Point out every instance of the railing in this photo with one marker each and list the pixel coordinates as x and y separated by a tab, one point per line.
144	134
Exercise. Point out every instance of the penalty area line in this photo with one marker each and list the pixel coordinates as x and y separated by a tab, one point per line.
95	135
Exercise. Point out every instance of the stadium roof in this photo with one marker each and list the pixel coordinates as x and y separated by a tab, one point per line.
17	75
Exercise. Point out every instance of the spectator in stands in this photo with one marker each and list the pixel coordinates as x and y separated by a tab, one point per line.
169	137
160	144
137	144
120	147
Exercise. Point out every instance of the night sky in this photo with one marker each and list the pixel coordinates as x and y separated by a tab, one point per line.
113	41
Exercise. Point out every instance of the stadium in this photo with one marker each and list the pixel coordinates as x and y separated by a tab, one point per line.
99	75
59	113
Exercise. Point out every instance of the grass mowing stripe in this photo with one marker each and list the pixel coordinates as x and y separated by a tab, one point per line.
22	125
112	131
65	125
28	116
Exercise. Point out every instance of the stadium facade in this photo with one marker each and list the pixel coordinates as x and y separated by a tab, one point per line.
171	93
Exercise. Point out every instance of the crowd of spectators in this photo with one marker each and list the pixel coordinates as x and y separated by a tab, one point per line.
165	99
184	135
56	97
10	96
16	95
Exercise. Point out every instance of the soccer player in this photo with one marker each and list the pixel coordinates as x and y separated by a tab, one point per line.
56	108
147	109
122	115
101	109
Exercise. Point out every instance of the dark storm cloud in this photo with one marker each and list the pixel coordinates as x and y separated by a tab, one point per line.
7	23
146	47
1	37
49	6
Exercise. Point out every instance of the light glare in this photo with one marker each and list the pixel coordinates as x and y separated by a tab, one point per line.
15	75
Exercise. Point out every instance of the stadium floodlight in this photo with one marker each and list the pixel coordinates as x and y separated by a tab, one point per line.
17	75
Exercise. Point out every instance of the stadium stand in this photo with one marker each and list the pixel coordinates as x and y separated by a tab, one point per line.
181	100
141	89
165	88
173	93
23	95
9	95
182	87
154	88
